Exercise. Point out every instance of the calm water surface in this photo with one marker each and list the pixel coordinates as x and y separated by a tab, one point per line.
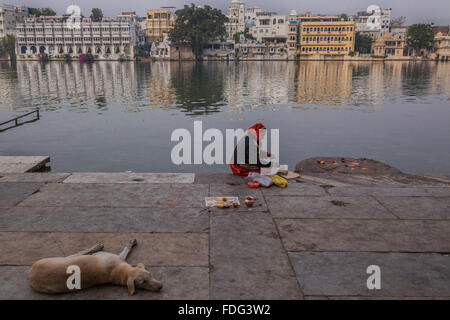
119	116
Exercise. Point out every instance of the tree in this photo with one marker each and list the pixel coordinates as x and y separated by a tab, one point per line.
363	43
8	47
344	16
43	12
420	36
246	33
197	26
96	14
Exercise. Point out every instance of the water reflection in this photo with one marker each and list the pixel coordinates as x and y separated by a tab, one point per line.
206	88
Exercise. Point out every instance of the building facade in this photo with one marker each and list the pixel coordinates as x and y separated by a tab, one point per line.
441	44
374	20
158	24
9	17
236	18
58	37
270	26
325	36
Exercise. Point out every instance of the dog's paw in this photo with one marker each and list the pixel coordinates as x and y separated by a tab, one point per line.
133	242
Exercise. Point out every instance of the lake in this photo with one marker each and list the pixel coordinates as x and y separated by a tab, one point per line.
119	116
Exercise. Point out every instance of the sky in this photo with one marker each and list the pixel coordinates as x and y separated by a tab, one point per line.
416	11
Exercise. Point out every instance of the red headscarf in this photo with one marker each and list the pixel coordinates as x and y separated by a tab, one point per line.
254	129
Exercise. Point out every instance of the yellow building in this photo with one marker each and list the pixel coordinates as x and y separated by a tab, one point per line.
325	35
158	24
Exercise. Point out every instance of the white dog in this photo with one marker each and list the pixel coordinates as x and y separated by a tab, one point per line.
96	267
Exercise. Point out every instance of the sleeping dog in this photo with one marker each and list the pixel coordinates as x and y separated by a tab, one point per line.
96	267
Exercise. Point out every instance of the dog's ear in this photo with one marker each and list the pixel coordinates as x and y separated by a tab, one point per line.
130	285
141	266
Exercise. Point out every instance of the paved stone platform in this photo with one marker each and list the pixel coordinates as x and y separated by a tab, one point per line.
312	240
21	164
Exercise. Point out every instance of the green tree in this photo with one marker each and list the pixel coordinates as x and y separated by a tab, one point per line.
420	36
363	43
344	16
197	26
42	12
246	33
96	14
8	47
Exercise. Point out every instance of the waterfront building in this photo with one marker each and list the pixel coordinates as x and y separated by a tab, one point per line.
373	21
158	24
250	16
325	36
60	37
270	27
166	50
292	36
261	51
389	45
236	18
441	44
9	16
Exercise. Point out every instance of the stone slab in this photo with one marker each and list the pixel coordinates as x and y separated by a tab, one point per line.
327	207
153	249
12	194
119	195
15	285
344	273
43	177
365	235
219	178
129	177
295	189
104	219
241	191
417	207
248	260
21	164
391	192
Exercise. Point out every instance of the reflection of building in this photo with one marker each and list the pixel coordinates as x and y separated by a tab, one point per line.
373	21
158	25
159	90
324	83
236	18
9	17
85	85
325	35
60	37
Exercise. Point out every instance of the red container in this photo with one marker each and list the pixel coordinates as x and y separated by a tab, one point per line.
253	184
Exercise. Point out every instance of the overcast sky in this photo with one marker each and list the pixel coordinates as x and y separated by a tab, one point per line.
437	11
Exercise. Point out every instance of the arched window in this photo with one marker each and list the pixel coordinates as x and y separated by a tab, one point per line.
23	49
33	49
41	49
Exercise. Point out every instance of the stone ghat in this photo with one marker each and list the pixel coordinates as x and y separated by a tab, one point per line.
314	239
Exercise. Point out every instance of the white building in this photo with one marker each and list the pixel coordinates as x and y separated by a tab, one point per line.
61	37
372	21
9	16
236	18
250	16
270	26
